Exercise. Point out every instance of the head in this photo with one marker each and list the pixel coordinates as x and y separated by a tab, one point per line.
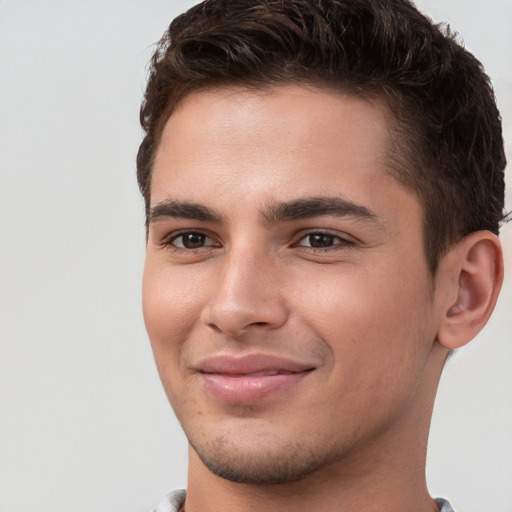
308	169
446	130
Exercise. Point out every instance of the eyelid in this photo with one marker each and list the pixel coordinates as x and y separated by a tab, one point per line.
168	240
344	238
341	240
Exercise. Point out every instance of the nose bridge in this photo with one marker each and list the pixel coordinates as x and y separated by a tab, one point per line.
246	292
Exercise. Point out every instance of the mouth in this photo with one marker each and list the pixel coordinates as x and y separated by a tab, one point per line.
250	378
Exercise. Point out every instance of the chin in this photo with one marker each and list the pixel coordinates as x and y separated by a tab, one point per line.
259	465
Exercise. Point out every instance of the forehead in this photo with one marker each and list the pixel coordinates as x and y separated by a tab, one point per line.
284	110
281	126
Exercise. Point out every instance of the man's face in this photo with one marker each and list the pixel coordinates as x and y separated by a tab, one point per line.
286	291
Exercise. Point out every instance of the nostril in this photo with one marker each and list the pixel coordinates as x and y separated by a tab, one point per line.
214	327
233	311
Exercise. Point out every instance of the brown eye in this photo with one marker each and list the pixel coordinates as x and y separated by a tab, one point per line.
191	240
319	240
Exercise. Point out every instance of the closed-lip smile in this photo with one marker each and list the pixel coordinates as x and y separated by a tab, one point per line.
238	379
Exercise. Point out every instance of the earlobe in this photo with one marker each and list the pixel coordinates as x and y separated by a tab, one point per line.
475	273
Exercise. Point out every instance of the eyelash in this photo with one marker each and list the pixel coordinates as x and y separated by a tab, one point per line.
338	242
169	242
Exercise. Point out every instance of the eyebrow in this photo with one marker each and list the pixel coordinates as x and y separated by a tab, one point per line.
184	210
276	212
317	207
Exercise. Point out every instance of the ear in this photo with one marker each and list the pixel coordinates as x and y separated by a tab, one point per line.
471	277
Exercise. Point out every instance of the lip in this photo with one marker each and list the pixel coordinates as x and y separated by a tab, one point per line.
250	378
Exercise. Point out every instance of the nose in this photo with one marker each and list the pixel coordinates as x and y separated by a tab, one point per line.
246	295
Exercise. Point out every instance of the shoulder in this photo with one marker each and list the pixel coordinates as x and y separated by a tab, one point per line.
444	505
172	502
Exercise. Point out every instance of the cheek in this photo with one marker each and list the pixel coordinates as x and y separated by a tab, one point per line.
379	338
371	315
171	304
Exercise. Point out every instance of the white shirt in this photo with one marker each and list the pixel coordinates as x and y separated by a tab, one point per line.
174	500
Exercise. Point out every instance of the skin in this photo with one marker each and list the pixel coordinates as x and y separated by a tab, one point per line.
361	308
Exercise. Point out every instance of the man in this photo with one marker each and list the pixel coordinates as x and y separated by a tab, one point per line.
324	188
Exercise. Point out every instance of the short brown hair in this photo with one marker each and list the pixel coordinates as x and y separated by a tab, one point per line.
447	141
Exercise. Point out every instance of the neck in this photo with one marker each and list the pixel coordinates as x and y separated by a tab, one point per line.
387	473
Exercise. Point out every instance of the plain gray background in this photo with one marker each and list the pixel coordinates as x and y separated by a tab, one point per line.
84	424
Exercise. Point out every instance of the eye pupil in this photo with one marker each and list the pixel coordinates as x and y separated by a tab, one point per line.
321	240
193	240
